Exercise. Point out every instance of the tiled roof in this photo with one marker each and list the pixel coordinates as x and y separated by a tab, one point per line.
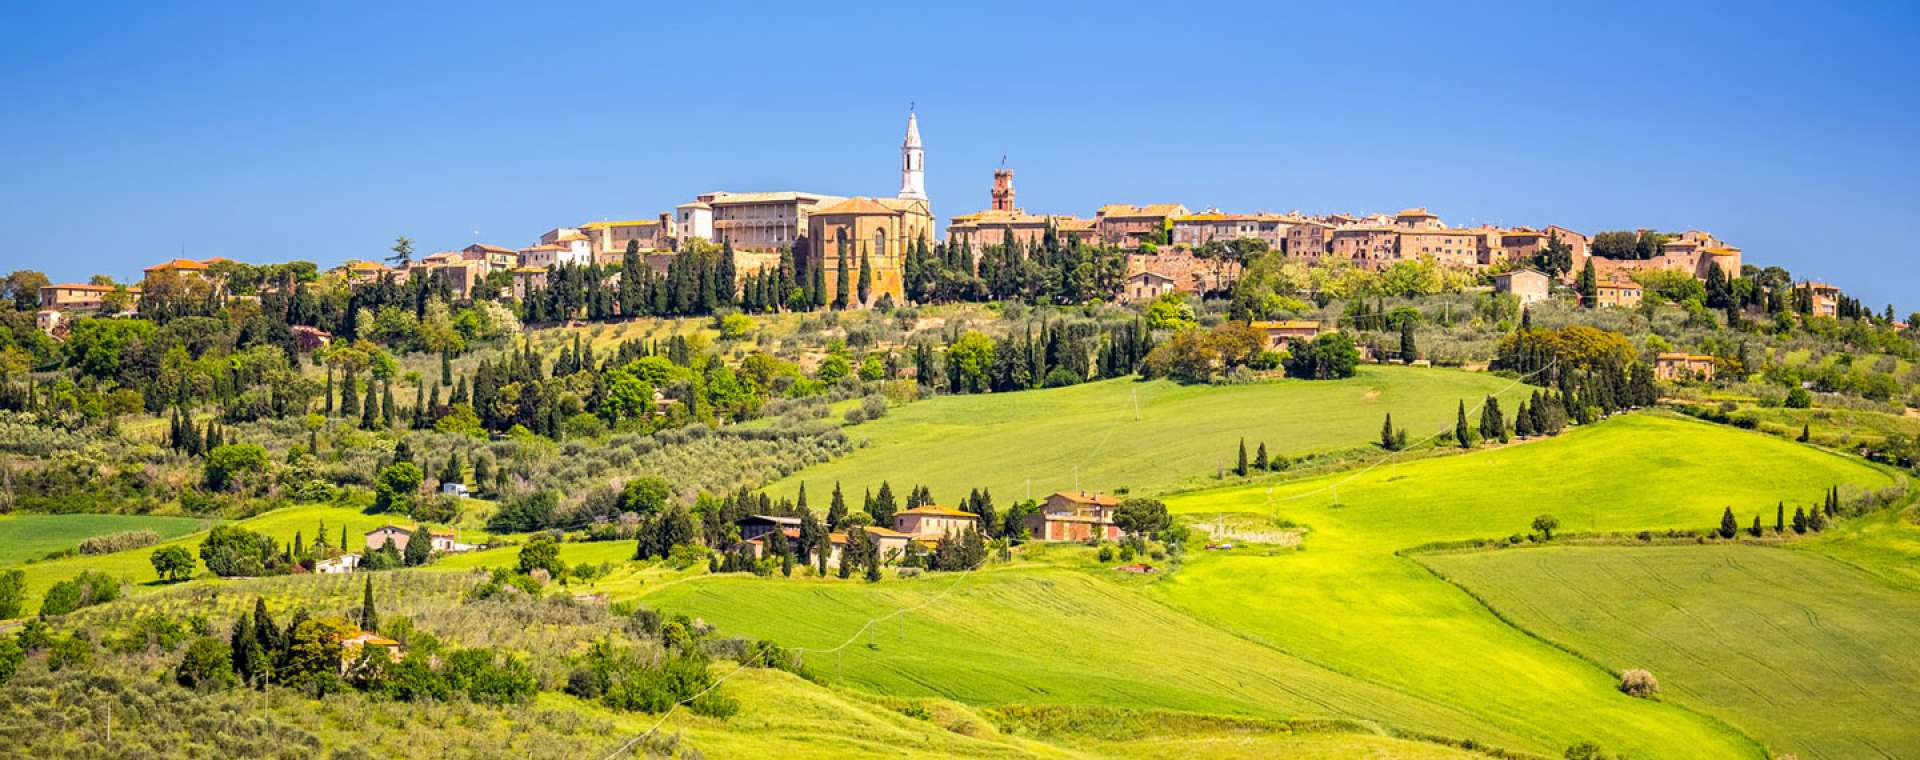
1419	212
187	264
630	223
772	197
1284	324
856	207
936	511
1085	497
1122	210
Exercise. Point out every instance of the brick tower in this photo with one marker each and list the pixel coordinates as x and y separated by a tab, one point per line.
1003	189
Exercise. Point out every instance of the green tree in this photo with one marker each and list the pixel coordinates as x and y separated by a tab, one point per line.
369	619
1408	350
1589	285
1461	433
419	547
227	461
1240	468
395	489
1728	527
13	593
173	563
402	251
866	276
542	554
1546	525
207	666
1142	517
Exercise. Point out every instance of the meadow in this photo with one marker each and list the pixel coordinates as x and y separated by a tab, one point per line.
29	537
1810	655
1141	437
1351	603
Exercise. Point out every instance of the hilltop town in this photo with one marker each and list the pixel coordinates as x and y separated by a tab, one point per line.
788	240
783	469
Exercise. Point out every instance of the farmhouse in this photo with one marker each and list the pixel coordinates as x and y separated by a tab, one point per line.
442	540
351	646
1617	290
1682	366
1074	516
1279	332
931	522
345	563
1145	286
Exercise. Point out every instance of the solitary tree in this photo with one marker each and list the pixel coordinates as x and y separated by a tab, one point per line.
1755	530
368	619
1460	431
402	251
1408	351
1241	468
1728	526
173	563
1546	525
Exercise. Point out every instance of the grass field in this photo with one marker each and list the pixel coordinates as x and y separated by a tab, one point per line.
1350	603
135	568
26	537
1149	437
1812	656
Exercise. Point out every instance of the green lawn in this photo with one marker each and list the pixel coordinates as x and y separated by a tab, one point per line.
1348	602
1149	437
1812	656
26	537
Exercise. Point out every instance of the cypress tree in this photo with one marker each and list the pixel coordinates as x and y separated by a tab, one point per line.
884	505
1241	468
1460	431
1408	351
1780	518
1386	434
842	284
1260	457
1806	433
1728	526
837	510
419	547
1755	530
349	396
368	414
446	367
1799	520
387	410
329	394
369	621
866	277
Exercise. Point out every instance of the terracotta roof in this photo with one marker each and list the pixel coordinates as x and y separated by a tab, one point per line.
366	266
1678	356
856	207
1123	210
187	264
1419	212
1283	324
1085	497
545	247
630	223
936	511
493	248
887	532
570	236
80	286
1149	273
1439	231
1726	250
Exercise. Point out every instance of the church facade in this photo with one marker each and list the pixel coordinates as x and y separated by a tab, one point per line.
875	233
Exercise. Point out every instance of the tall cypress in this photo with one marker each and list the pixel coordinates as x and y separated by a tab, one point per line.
369	621
1460	431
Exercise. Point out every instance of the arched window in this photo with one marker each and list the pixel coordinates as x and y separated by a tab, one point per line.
879	244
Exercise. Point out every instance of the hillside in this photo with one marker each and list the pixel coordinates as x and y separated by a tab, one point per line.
1145	437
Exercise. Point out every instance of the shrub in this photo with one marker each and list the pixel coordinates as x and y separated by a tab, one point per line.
1639	683
224	462
73	651
231	551
207	666
122	541
13	593
172	563
84	590
1106	554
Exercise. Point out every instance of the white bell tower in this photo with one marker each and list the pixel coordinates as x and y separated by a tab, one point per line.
913	163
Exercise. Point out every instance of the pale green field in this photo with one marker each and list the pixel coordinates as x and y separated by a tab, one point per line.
1149	437
27	537
1812	656
1348	602
135	567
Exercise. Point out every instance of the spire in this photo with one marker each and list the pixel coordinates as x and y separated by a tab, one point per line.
913	132
913	163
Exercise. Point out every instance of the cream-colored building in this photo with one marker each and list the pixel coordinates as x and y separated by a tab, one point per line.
608	240
878	230
1127	226
1195	230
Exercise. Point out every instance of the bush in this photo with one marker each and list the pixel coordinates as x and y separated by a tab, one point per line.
231	551
13	593
1106	554
122	541
207	666
1798	398
225	462
1639	683
84	590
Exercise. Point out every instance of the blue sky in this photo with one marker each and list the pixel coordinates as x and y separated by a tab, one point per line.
265	132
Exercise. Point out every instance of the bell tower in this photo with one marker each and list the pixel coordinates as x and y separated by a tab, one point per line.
1003	189
913	163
